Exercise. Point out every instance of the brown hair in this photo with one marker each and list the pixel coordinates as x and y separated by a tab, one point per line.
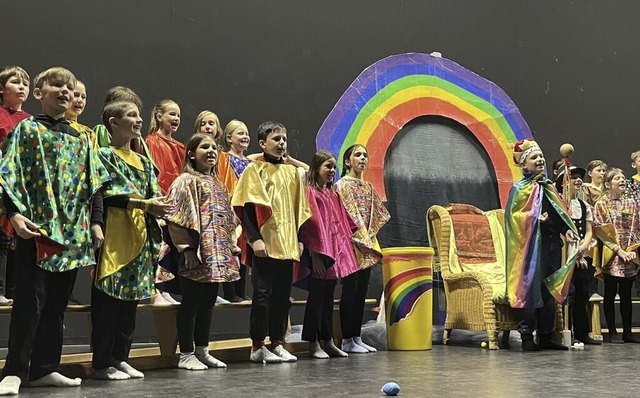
612	172
347	155
8	72
54	75
121	93
313	175
193	144
115	109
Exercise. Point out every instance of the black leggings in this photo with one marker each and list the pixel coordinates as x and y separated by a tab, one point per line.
195	312
354	293
621	286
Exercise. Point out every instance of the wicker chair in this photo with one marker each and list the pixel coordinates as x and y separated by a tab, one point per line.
471	303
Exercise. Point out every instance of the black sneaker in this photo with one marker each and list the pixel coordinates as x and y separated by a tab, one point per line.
615	339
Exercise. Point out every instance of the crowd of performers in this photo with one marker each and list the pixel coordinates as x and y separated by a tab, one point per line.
154	216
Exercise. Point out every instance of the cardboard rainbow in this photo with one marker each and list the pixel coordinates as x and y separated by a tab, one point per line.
399	88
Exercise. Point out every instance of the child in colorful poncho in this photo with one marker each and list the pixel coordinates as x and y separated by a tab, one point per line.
535	217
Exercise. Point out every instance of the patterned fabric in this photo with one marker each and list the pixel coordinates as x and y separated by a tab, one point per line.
126	267
368	213
522	224
168	156
328	232
277	192
201	205
617	222
633	188
239	164
230	168
81	127
51	178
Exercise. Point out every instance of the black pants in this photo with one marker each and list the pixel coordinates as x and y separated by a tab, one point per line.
113	323
236	288
195	313
550	261
36	326
270	304
578	309
616	285
319	310
354	293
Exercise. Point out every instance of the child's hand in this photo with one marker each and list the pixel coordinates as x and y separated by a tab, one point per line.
543	217
159	208
25	228
300	248
626	256
582	263
191	259
571	236
97	235
259	249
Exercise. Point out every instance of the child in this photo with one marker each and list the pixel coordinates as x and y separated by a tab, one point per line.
52	220
369	214
271	203
168	155
327	238
207	122
76	109
14	90
535	217
582	217
592	190
129	239
201	226
116	93
633	185
617	226
231	164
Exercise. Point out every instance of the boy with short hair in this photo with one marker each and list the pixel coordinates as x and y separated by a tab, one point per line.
271	202
49	174
534	219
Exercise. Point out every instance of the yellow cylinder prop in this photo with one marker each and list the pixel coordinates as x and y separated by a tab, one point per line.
408	295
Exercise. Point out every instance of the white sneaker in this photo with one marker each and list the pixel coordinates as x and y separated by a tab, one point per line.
263	355
595	297
284	354
221	300
617	297
5	301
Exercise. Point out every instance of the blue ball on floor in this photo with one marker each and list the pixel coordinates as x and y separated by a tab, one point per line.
391	388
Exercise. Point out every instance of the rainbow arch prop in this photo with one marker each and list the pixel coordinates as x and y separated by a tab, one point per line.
399	88
403	290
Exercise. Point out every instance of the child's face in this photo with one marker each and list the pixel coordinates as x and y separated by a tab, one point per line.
327	172
79	101
576	183
239	138
128	126
169	120
636	164
618	184
276	144
597	174
14	92
55	97
534	162
358	160
205	156
208	125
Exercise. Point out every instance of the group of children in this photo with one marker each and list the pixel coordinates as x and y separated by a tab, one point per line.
155	216
600	222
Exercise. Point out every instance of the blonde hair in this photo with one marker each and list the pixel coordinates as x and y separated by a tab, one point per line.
201	116
193	144
635	155
229	129
54	75
8	72
159	108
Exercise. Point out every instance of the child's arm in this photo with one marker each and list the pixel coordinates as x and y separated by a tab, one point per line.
24	228
183	241
297	163
97	219
253	232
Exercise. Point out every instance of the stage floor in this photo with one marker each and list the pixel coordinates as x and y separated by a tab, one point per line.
452	371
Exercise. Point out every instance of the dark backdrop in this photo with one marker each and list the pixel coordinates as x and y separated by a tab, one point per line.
568	65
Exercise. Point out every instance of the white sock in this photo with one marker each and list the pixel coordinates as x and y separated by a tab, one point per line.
110	374
128	369
189	361
55	379
348	345
358	341
169	298
315	351
159	300
202	353
10	385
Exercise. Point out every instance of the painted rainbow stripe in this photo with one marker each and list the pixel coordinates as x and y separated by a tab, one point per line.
399	88
402	292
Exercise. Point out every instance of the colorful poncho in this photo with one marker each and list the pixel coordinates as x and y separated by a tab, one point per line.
328	232
51	178
201	205
132	238
277	192
368	213
230	168
523	241
168	156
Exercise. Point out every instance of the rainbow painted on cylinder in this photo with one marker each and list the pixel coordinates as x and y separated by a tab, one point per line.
402	292
400	88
